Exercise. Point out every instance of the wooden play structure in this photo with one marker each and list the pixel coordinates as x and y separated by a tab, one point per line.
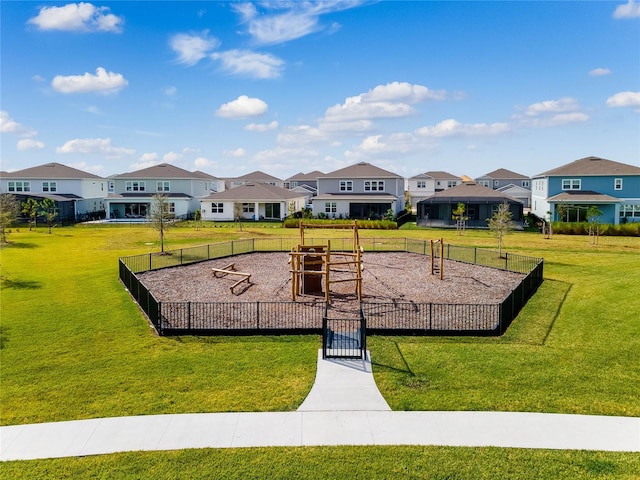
314	268
231	270
437	257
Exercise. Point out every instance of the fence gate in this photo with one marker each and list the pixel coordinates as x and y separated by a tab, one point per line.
344	336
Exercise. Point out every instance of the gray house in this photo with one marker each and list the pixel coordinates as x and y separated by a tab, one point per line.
359	191
480	204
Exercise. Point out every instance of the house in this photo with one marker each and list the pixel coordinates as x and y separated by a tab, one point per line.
131	194
567	192
359	191
253	201
77	194
502	177
255	177
480	204
309	180
215	184
426	184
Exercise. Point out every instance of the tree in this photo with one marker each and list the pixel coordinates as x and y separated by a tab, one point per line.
237	214
501	224
160	216
49	211
30	209
9	211
461	220
593	217
291	208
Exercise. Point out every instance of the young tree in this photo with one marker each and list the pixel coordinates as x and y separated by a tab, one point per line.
237	214
593	217
291	208
160	216
461	220
30	209
501	224
9	211
49	210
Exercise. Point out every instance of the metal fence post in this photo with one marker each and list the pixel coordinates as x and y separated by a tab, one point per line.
258	315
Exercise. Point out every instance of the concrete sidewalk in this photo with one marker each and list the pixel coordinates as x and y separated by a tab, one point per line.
344	407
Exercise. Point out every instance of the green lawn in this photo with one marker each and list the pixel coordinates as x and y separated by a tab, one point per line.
75	346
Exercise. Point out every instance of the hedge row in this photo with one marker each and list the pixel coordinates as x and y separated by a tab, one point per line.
582	228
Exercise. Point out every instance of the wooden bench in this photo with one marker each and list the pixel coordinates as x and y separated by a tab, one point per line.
231	270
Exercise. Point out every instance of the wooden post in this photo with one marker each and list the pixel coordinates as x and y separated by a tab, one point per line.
432	264
441	258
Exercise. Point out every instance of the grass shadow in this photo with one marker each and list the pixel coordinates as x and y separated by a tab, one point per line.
20	245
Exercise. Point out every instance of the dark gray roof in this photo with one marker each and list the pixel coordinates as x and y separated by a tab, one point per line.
306	176
503	174
592	166
583	196
254	192
360	170
160	172
469	192
147	195
50	170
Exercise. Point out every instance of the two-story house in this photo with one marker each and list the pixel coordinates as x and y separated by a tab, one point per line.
359	191
255	177
77	194
566	193
252	201
308	181
510	183
426	184
131	194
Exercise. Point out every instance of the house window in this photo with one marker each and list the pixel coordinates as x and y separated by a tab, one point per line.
346	185
163	186
422	184
111	186
617	184
248	208
525	183
330	207
135	186
49	186
451	183
217	207
496	183
630	211
484	183
374	185
19	186
571	184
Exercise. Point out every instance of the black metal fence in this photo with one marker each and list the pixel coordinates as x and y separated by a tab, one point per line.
217	318
344	337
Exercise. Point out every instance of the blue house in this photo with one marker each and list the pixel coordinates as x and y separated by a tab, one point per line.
567	192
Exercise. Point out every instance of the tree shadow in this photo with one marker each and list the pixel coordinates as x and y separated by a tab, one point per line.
21	284
21	245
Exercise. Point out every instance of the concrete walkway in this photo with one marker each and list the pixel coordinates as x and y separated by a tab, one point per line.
344	407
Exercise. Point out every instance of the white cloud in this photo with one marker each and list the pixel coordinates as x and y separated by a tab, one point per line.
250	64
242	107
140	165
292	20
170	91
85	167
192	48
631	9
149	157
202	162
261	127
624	99
285	155
552	106
102	82
29	144
384	101
171	157
237	153
77	17
9	125
91	146
599	72
451	127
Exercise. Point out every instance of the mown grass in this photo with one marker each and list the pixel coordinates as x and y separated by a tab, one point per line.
337	463
75	346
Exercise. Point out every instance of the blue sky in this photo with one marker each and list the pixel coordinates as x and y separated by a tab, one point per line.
286	87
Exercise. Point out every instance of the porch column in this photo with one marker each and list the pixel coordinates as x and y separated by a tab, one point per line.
256	211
